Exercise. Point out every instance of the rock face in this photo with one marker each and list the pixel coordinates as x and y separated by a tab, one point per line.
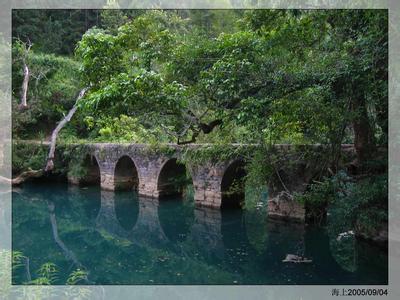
292	258
284	206
294	169
292	174
378	236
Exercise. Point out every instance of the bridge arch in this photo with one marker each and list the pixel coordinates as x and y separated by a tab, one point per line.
126	175
91	175
232	185
172	178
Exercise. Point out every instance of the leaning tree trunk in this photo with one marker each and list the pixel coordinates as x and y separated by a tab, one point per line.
49	164
21	178
67	118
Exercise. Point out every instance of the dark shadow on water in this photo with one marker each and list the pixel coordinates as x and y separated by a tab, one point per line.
233	228
176	217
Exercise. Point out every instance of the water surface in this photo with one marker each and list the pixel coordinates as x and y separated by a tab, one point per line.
120	238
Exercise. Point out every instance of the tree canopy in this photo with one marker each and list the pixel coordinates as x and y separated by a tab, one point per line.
255	76
281	76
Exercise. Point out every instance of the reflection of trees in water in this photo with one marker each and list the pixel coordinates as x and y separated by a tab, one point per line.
84	203
354	257
256	229
69	255
62	216
344	252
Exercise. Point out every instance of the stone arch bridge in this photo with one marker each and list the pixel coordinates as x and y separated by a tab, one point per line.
154	173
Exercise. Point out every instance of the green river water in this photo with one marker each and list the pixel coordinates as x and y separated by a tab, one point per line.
121	238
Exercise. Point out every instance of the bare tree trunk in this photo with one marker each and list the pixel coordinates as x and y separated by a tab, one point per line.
24	91
67	118
24	87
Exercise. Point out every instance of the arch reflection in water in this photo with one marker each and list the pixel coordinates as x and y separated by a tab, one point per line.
206	234
212	237
148	230
126	209
176	217
107	218
139	223
202	226
233	230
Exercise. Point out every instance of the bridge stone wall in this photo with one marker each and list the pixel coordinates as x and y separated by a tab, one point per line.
147	165
207	178
207	183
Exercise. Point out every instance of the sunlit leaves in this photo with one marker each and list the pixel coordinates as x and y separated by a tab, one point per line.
100	56
78	276
287	75
48	271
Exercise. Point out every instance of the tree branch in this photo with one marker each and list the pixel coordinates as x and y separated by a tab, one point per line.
22	177
67	118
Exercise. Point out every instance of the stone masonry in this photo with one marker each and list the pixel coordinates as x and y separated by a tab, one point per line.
207	178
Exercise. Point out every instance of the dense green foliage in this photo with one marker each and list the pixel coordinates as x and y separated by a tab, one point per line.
53	85
353	205
276	79
261	76
46	274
